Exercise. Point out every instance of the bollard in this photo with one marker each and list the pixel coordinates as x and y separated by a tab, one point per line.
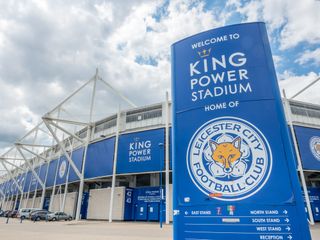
21	219
7	220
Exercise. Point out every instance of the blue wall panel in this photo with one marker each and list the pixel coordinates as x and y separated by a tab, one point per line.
99	160
43	172
34	181
5	187
8	188
62	171
22	179
140	152
28	180
51	172
77	157
309	147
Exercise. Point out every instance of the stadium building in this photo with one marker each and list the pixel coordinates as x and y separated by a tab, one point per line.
119	167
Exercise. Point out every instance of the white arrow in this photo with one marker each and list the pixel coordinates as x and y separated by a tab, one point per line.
287	220
186	213
288	228
290	237
285	211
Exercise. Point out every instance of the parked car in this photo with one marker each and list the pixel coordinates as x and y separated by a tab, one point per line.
6	213
25	212
13	214
57	216
39	215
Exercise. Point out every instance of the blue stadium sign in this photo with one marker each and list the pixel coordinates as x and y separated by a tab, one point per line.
141	152
234	174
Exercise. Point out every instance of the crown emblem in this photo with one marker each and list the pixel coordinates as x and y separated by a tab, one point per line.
204	53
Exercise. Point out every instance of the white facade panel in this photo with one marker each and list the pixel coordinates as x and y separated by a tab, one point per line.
70	204
37	202
99	203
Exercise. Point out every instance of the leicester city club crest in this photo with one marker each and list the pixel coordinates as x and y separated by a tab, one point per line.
229	158
314	145
62	169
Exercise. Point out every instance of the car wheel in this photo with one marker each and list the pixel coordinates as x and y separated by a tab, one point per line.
38	219
23	217
54	219
70	218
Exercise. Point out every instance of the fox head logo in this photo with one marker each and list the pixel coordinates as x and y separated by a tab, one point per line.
226	154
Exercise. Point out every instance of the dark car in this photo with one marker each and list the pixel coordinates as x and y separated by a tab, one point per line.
33	211
39	215
1	213
13	214
59	216
6	213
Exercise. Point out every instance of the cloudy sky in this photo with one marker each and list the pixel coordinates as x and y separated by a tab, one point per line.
49	48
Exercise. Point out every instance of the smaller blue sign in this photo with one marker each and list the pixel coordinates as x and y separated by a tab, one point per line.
128	204
46	203
141	152
309	147
314	196
84	205
146	204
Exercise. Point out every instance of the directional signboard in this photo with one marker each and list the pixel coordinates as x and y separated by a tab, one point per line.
234	174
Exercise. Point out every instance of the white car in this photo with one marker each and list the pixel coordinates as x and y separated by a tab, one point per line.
59	216
25	212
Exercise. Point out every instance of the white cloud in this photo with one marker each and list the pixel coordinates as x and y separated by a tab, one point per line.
297	20
252	10
277	60
105	11
301	23
50	48
142	35
312	57
293	84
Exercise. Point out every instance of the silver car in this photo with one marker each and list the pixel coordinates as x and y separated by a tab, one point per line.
25	212
57	216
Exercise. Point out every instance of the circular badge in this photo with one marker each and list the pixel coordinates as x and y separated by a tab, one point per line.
229	158
62	169
315	147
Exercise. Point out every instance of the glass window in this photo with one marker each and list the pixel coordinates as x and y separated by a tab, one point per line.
143	180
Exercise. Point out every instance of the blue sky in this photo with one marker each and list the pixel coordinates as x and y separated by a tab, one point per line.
49	48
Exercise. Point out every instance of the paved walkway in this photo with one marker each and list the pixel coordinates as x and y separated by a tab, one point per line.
95	230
